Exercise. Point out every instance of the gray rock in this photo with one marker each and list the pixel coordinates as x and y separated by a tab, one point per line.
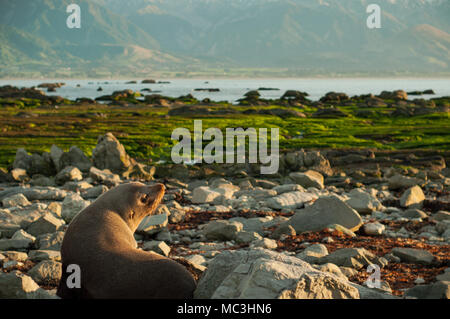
35	193
441	215
110	154
51	241
374	229
402	182
204	194
283	229
15	200
262	274
69	173
313	253
22	160
415	256
94	192
46	272
291	200
55	155
71	206
265	243
75	157
437	290
153	224
363	202
15	285
222	230
357	258
412	196
413	213
325	211
41	255
104	176
287	188
46	224
245	237
20	240
158	247
308	179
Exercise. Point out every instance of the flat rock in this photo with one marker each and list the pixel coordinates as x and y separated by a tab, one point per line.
290	200
46	224
263	274
325	211
41	255
357	258
222	230
437	290
104	176
15	200
415	256
153	224
159	247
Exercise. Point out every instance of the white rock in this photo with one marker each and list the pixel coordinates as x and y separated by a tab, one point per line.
291	200
204	194
374	229
363	202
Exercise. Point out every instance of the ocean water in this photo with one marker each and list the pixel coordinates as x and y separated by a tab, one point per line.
233	89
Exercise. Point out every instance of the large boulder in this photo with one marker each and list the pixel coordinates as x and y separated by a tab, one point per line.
110	154
75	157
263	274
324	212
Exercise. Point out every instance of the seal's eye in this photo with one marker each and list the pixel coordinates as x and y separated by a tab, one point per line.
145	198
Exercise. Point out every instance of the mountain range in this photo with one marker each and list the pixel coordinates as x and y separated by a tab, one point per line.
297	37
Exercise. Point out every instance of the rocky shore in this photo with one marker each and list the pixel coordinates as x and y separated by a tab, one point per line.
310	231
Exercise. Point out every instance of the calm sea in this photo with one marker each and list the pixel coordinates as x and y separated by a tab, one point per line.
234	89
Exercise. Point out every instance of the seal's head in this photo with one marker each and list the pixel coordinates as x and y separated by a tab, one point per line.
134	201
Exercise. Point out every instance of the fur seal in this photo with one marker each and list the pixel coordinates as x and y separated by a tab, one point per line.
100	241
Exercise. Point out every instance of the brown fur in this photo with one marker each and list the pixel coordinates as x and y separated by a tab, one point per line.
100	240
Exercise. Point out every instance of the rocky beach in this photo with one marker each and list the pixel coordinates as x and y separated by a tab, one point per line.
313	230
